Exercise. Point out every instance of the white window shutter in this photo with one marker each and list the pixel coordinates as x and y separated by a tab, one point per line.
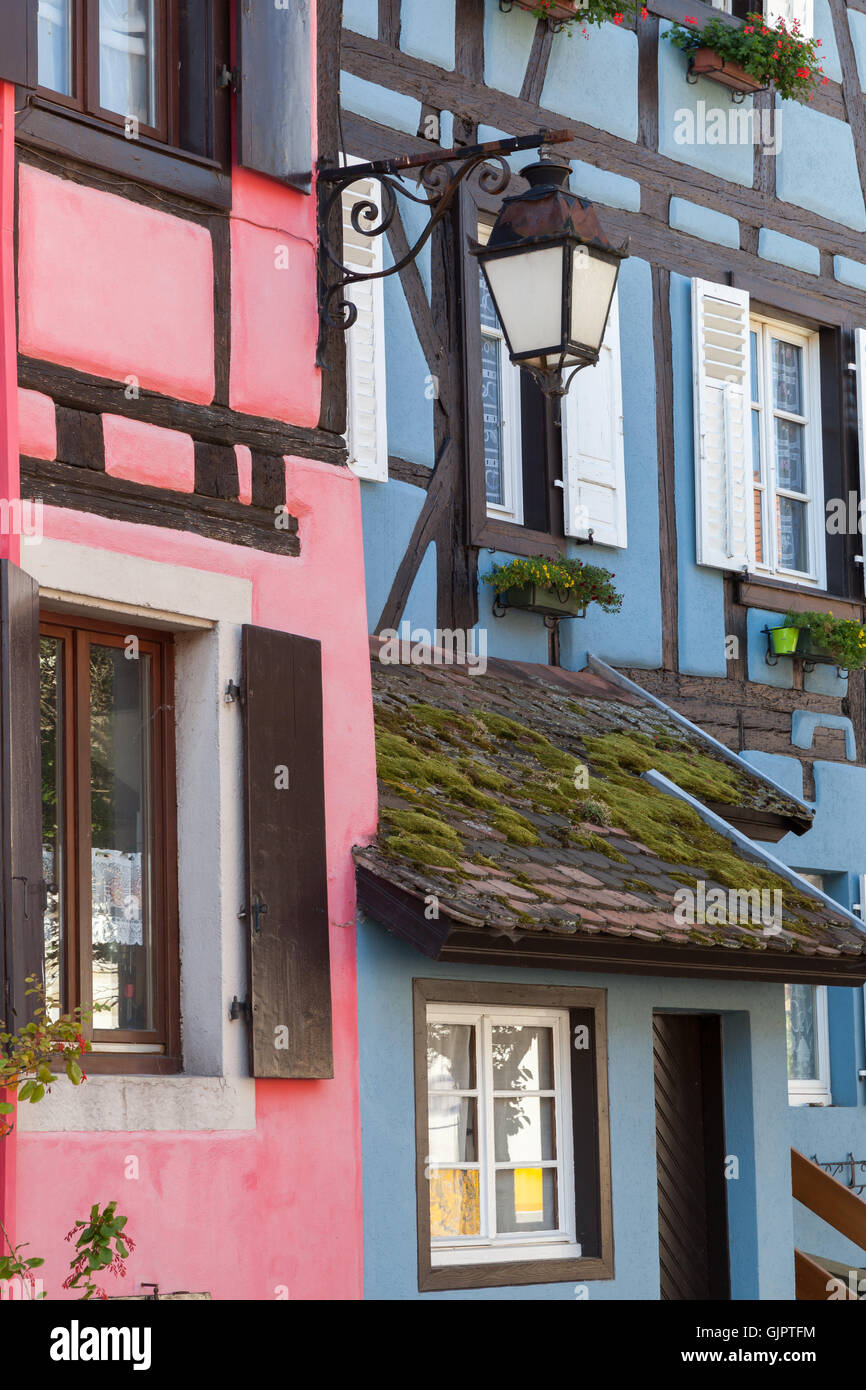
723	428
789	10
860	365
366	428
593	460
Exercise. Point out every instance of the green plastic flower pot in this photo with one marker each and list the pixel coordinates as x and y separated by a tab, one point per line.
784	640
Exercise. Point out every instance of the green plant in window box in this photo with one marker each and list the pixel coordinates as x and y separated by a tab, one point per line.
753	56
842	640
557	588
564	14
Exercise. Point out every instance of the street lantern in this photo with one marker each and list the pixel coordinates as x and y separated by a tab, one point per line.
552	273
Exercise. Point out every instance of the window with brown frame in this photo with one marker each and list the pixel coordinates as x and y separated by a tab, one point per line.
112	59
511	1131
109	838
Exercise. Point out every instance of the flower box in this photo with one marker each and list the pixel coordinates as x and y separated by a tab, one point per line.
814	652
533	599
558	9
706	63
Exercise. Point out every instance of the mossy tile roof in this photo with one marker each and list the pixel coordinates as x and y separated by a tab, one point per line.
514	800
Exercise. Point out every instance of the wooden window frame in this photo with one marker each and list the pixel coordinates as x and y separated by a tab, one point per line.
85	69
591	1155
50	122
76	633
767	328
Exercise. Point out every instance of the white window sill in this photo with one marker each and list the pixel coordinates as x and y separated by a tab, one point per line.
141	1103
503	1254
809	1098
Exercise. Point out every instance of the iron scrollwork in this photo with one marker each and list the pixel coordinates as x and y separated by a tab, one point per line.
440	177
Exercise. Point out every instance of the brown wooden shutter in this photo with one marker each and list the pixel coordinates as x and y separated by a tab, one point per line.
287	880
21	886
18	61
274	96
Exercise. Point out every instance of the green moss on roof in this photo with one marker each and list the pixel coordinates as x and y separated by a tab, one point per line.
470	785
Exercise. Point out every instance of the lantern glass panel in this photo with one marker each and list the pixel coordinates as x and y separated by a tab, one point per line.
593	279
528	289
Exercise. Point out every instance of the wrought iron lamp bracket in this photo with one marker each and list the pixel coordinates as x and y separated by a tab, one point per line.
440	176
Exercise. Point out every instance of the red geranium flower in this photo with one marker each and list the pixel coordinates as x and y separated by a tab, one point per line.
617	19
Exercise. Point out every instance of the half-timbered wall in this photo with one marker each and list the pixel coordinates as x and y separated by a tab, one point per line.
783	219
169	414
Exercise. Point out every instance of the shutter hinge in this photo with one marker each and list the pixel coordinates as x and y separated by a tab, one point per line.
228	77
254	912
238	1007
234	692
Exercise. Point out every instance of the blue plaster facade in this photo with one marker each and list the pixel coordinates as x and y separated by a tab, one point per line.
594	82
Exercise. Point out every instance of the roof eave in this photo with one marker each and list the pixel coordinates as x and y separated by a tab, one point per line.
448	940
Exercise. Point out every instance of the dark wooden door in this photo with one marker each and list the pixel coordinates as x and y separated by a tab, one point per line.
690	1155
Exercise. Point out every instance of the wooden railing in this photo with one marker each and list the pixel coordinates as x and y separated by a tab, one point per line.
840	1208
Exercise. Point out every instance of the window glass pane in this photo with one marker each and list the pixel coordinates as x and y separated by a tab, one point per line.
451	1129
451	1056
787	377
127	58
522	1058
523	1129
756	444
488	309
455	1209
51	725
491	395
793	537
790	455
121	848
526	1199
753	350
800	1017
759	526
54	45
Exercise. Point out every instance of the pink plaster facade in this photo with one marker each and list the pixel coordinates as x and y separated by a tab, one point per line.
113	288
125	293
148	454
294	1181
37	425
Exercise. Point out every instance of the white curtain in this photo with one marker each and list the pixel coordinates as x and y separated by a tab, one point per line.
126	58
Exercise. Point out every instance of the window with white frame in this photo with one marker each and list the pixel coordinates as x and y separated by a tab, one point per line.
808	1038
499	1126
799	11
787	490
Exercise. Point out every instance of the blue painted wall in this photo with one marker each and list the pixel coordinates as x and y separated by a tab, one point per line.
594	81
756	1110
